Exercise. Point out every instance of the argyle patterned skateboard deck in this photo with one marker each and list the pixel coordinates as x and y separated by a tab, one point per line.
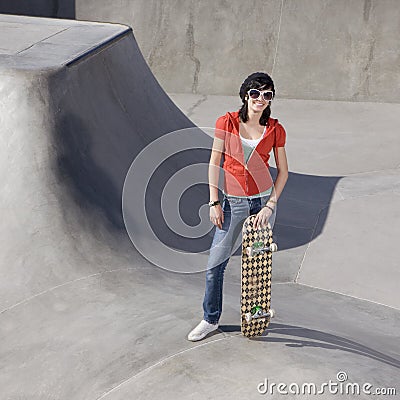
257	248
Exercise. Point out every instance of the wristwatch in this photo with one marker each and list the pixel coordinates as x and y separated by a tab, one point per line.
214	203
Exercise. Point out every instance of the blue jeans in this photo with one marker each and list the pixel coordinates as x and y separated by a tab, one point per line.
236	210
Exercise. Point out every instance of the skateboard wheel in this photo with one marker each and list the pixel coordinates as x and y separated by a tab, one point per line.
249	251
274	247
248	317
272	313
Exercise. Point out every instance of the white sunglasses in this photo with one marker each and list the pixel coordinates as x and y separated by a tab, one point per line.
267	95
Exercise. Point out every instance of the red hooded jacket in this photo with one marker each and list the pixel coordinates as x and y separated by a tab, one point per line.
243	179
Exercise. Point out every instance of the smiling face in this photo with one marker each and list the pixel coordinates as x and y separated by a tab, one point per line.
256	93
258	105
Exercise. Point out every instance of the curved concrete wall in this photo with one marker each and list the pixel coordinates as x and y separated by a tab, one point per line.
315	49
73	118
83	316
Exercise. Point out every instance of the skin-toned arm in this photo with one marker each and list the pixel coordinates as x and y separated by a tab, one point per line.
283	173
216	213
280	182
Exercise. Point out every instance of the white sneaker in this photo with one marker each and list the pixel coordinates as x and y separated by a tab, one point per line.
201	331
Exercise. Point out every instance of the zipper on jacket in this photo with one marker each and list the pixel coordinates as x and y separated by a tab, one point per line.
251	154
246	176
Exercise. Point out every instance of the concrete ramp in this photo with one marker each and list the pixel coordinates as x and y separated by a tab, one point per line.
84	316
78	103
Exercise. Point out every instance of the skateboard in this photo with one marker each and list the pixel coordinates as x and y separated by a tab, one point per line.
257	249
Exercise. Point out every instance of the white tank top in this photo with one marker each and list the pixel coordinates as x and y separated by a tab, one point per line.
253	142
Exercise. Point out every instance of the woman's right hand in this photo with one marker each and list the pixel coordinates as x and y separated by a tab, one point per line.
217	215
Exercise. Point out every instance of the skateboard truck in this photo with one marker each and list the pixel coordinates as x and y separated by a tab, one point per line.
258	248
257	312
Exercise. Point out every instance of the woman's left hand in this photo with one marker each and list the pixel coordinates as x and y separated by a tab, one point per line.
261	219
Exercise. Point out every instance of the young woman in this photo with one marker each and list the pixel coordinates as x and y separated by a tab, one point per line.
245	138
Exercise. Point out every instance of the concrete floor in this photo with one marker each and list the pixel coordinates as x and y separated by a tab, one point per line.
85	316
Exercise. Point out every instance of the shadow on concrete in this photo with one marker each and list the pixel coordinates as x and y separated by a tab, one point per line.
103	118
39	8
316	339
90	184
94	168
303	208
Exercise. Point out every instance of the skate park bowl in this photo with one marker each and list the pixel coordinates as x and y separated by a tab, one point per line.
83	313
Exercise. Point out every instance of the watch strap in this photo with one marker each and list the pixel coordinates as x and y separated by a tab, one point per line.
214	203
